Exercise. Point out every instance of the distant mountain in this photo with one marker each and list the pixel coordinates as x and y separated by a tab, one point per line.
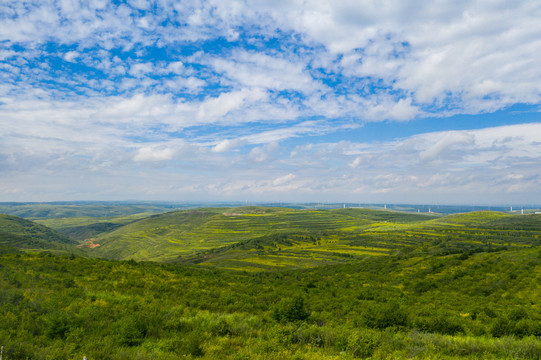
19	233
78	209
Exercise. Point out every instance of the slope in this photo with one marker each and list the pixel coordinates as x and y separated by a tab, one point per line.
320	236
24	234
430	307
400	234
259	238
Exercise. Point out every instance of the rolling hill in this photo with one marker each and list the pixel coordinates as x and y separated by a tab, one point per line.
273	283
485	306
19	233
261	238
257	238
193	235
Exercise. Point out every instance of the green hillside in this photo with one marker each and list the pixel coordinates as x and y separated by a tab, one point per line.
261	239
23	234
272	283
256	238
306	237
483	306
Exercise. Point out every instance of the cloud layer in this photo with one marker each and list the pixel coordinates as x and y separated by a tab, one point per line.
228	100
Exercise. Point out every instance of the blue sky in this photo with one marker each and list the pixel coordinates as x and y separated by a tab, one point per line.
357	101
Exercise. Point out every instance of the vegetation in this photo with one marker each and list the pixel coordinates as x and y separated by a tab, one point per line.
249	237
256	239
60	210
16	232
60	307
273	283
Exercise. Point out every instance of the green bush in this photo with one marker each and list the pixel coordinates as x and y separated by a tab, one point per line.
58	326
362	344
130	331
381	316
291	309
440	324
501	327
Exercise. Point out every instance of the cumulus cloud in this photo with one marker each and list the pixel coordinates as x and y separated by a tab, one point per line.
264	153
154	154
104	86
71	56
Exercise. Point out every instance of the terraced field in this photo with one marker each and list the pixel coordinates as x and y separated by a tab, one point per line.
256	238
249	237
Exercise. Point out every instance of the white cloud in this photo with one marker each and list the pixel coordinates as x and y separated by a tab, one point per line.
300	148
468	57
448	142
287	70
175	67
154	154
227	144
263	153
501	164
212	109
71	56
251	69
140	69
356	162
283	180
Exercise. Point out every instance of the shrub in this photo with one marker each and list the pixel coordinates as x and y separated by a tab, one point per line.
291	309
386	315
362	344
501	327
440	324
58	326
131	331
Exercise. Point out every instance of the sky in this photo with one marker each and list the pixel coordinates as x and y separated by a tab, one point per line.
395	101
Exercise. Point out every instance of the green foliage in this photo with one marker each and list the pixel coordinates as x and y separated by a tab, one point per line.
67	307
382	316
58	325
362	344
439	323
23	234
464	288
130	330
291	309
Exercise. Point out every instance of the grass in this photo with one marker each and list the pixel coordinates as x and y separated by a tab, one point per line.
198	235
269	238
16	232
275	238
481	306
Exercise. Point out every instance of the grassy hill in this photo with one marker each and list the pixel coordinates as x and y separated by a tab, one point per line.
257	238
19	233
291	238
260	238
273	283
484	306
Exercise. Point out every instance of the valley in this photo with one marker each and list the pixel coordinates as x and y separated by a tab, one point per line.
270	283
